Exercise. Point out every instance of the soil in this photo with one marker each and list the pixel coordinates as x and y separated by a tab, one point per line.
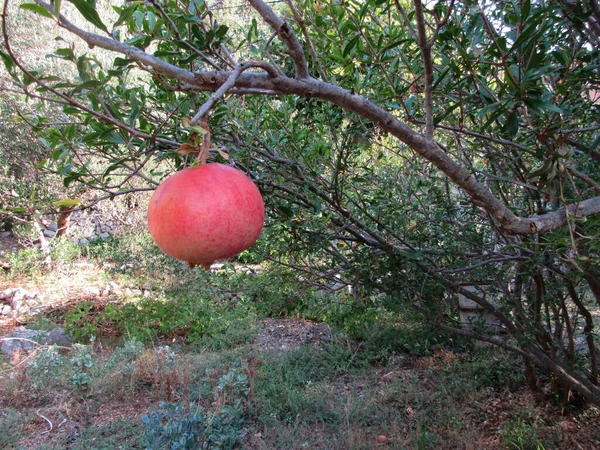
289	334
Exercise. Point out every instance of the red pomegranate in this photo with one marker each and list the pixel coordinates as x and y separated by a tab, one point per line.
206	213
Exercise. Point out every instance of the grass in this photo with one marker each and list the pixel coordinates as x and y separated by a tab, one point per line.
185	357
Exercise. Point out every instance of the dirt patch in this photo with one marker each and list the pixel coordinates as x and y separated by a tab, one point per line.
289	334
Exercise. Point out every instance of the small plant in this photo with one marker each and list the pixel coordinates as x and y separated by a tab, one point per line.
81	363
521	434
79	322
230	388
171	427
46	368
11	424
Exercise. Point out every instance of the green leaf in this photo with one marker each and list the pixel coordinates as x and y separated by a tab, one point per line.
9	63
538	105
65	53
88	11
57	5
67	202
37	9
511	127
124	14
350	45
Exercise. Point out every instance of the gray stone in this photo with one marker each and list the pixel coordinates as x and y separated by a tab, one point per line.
53	226
49	233
5	234
92	290
83	241
104	235
5	310
18	296
21	339
57	336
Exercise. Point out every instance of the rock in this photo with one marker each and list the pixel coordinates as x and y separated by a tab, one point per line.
49	233
104	235
5	234
147	287
53	226
20	339
17	296
57	336
5	310
92	290
112	287
127	292
83	241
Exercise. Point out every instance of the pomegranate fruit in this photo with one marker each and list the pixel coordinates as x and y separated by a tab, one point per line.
205	213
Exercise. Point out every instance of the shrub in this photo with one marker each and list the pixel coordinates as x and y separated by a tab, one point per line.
170	427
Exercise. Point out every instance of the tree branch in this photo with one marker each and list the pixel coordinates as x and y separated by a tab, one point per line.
425	48
311	47
225	87
286	34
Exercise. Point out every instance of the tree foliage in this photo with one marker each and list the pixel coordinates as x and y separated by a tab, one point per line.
422	150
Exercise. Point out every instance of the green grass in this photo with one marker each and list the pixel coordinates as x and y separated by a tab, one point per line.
120	434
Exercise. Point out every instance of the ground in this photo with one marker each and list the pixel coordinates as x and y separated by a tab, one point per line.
299	383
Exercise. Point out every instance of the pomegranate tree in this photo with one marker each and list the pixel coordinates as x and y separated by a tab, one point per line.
205	213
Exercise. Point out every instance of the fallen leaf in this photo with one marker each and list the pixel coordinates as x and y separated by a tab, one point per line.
186	149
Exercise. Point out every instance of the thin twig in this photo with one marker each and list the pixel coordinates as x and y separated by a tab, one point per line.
407	21
30	341
47	420
286	34
216	96
182	41
268	53
311	47
425	47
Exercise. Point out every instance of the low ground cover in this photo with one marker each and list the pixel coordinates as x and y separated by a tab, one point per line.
246	358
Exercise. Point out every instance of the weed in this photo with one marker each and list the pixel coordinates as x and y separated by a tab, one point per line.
80	322
11	426
46	369
487	368
81	364
291	385
124	434
518	434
